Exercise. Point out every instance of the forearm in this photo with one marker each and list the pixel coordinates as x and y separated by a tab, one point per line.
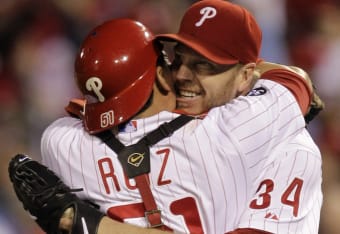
293	79
110	226
106	225
264	67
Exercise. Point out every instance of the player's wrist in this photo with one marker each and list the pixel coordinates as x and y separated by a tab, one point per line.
86	218
80	218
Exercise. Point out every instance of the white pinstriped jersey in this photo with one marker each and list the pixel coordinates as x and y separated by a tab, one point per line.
249	163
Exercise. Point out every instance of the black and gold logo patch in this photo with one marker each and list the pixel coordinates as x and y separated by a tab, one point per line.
135	159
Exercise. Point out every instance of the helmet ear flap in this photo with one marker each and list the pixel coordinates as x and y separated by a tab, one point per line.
115	70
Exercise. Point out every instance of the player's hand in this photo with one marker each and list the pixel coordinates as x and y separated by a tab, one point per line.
66	220
46	197
317	104
315	107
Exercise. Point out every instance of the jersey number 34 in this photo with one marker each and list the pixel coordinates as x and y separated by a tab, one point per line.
290	197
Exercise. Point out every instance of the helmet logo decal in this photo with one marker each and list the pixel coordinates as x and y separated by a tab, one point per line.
95	84
106	119
207	13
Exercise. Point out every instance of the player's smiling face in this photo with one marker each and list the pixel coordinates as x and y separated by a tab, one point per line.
201	84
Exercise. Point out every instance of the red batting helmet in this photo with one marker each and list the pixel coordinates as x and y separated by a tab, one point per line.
115	70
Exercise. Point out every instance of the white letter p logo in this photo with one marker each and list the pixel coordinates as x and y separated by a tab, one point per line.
207	13
95	84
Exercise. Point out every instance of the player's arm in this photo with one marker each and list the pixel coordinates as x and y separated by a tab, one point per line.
248	231
298	82
107	226
110	226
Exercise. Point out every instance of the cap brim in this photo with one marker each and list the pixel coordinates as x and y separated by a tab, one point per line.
207	51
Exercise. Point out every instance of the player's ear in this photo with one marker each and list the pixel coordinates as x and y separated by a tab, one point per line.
163	79
249	77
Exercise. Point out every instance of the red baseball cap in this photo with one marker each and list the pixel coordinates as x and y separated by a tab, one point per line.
222	32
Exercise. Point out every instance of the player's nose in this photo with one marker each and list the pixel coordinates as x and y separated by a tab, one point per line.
183	73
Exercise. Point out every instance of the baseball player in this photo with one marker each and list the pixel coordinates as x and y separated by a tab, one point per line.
228	181
200	51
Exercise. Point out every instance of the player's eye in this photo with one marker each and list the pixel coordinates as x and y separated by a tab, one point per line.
176	63
203	67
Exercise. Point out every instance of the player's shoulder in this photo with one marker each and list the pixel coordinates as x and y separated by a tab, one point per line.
63	125
261	97
66	121
267	87
268	103
267	92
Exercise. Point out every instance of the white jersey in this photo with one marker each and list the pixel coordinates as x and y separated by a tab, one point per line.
249	163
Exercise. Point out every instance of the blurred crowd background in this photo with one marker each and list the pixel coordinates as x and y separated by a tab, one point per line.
39	40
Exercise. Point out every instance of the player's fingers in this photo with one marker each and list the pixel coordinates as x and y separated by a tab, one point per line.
66	219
